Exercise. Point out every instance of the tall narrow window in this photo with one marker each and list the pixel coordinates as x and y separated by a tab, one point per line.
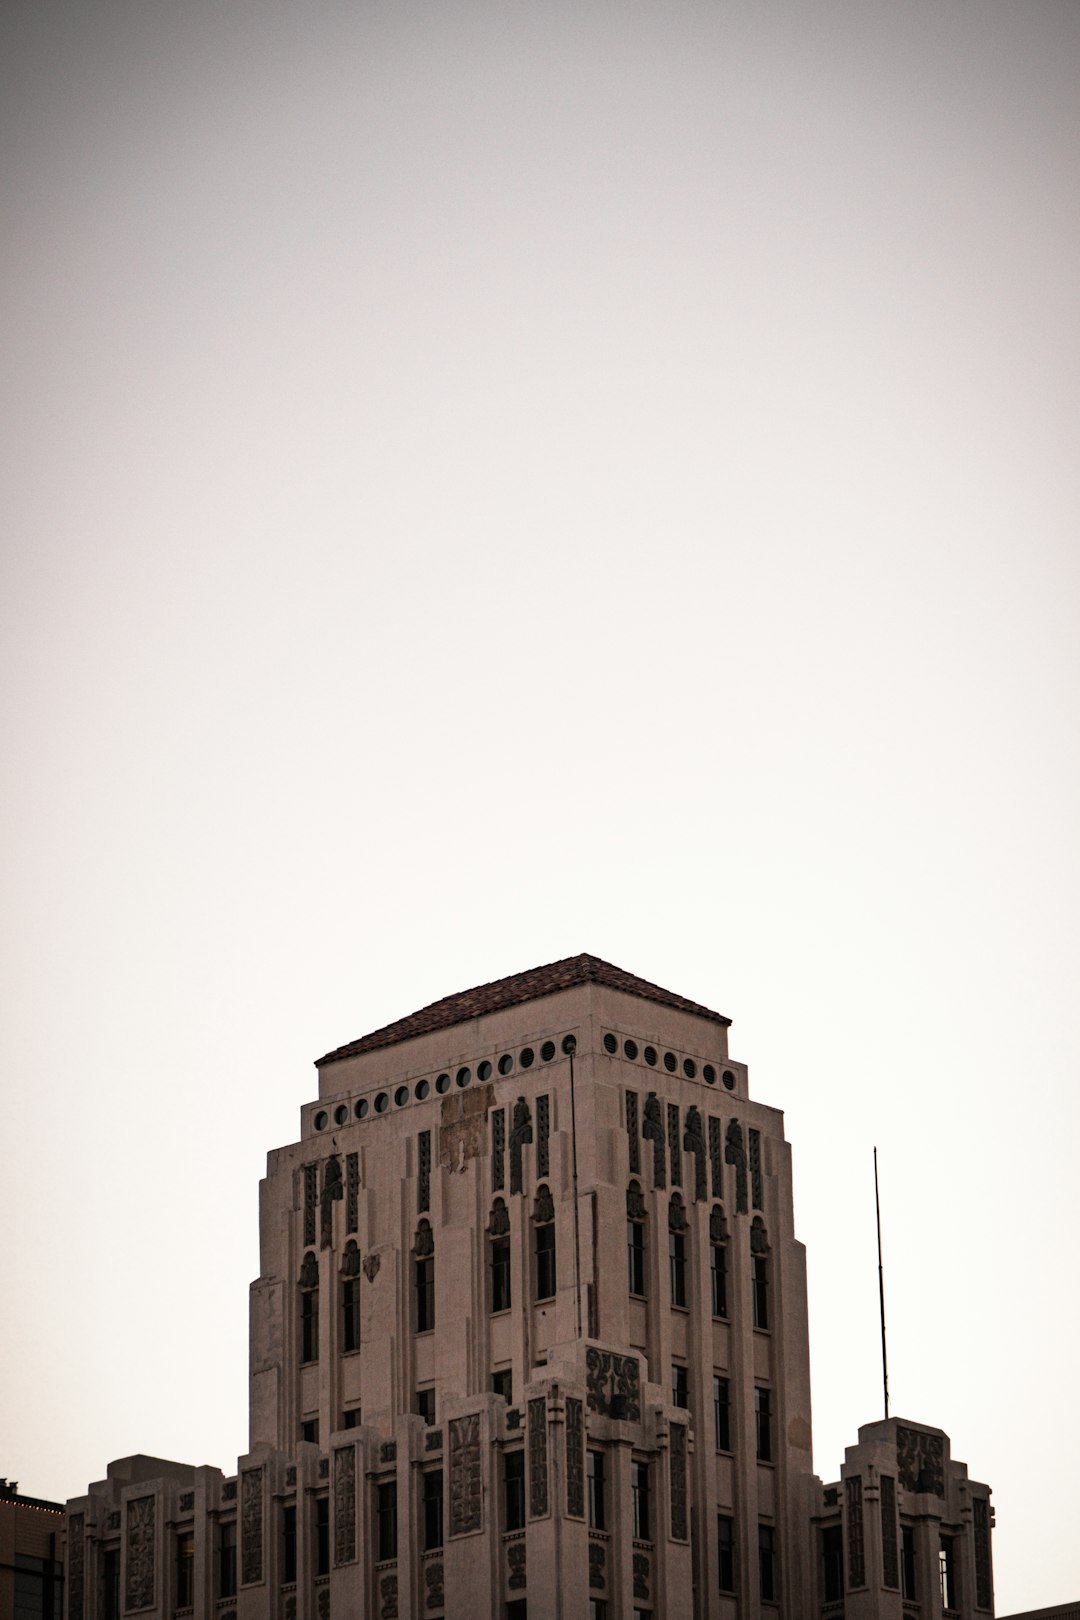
763	1424
185	1569
425	1405
322	1535
502	1384
309	1309
635	1239
350	1313
499	1257
639	1501
677	1249
226	1559
718	1261
424	1272
595	1476
722	1412
767	1573
433	1510
386	1513
725	1551
759	1272
947	1564
514	1490
907	1563
832	1557
680	1385
544	1218
110	1577
288	1543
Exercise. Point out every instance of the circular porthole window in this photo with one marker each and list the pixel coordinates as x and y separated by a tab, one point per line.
463	1077
421	1090
506	1063
610	1044
362	1108
401	1096
569	1044
689	1068
671	1062
319	1121
547	1051
649	1055
729	1080
382	1103
483	1070
442	1084
630	1049
709	1074
341	1113
526	1058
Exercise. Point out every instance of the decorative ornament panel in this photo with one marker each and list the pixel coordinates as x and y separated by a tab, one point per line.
433	1585
139	1585
311	1199
984	1585
538	1458
612	1384
423	1179
76	1567
715	1157
521	1131
498	1149
597	1566
344	1504
855	1544
543	1136
632	1143
515	1560
352	1192
575	1458
673	1144
735	1154
754	1138
251	1526
920	1461
652	1129
466	1512
890	1555
677	1463
694	1142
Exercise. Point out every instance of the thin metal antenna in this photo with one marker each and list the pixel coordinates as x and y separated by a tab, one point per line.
881	1289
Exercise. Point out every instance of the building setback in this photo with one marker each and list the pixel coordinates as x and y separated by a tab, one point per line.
530	1338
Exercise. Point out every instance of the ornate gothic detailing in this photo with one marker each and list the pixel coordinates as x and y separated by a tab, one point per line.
890	1558
187	1501
139	1586
424	1247
652	1130
228	1491
388	1451
423	1179
76	1567
676	1214
734	1154
597	1560
673	1144
345	1505
759	1238
324	1468
352	1192
433	1580
920	1461
611	1385
350	1260
323	1603
499	1222
498	1149
372	1263
543	1135
515	1558
520	1132
677	1461
984	1589
543	1208
290	1477
575	1457
715	1157
754	1138
694	1142
538	1458
433	1440
641	1575
113	1521
513	1418
465	1506
718	1232
251	1526
632	1142
290	1607
388	1595
311	1198
635	1203
332	1193
309	1271
854	1516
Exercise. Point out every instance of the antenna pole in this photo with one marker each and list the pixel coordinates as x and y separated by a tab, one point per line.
881	1289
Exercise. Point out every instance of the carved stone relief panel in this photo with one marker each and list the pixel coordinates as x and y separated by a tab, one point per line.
543	1135
854	1527
433	1583
673	1144
538	1458
694	1142
515	1559
612	1384
735	1154
309	1271
759	1238
754	1138
76	1562
139	1586
465	1499
344	1504
632	1142
498	1149
641	1575
575	1457
635	1203
543	1206
388	1598
251	1526
677	1464
715	1157
187	1501
984	1586
521	1132
311	1197
423	1178
890	1557
323	1603
352	1192
920	1461
652	1129
371	1266
499	1220
350	1259
597	1566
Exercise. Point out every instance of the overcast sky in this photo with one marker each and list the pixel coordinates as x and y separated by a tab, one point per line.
488	482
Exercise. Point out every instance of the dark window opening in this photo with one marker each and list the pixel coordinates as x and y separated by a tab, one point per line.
309	1324
677	1265
514	1490
110	1571
322	1535
635	1251
226	1559
718	1275
500	1274
832	1554
350	1418
947	1563
725	1550
907	1562
545	1261
767	1580
425	1294
350	1314
639	1501
595	1474
386	1515
680	1386
288	1544
761	1291
722	1412
502	1384
309	1430
425	1404
185	1569
433	1510
763	1424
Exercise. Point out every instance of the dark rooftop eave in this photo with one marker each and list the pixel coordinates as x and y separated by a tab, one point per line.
515	991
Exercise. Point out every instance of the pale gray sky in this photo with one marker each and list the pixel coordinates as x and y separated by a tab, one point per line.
486	482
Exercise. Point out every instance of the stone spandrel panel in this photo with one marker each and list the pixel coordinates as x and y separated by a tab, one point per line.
466	1503
575	1458
139	1584
345	1505
76	1552
613	1384
920	1461
538	1458
677	1465
251	1526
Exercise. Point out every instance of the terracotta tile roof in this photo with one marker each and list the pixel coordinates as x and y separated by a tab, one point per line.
513	992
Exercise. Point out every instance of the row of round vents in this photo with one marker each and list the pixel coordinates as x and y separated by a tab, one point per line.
526	1058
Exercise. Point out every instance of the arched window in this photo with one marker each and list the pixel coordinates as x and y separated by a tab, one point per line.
718	1238
424	1277
499	1257
635	1239
350	1297
677	1249
544	1239
309	1308
759	1271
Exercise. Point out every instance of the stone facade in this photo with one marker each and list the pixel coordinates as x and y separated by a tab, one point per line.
530	1336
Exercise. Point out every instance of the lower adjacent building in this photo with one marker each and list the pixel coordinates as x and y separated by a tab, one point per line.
31	1556
530	1338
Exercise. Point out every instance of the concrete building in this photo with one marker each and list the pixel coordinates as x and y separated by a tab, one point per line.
31	1556
530	1337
